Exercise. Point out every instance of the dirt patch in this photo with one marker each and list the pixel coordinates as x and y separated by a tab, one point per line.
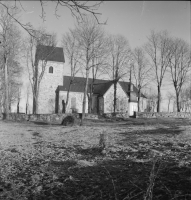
142	159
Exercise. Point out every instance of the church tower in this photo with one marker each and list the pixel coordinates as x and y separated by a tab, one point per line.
53	76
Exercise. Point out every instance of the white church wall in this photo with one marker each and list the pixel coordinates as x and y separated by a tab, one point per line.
133	107
78	99
122	100
48	85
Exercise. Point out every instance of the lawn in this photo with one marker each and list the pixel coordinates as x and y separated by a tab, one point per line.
143	159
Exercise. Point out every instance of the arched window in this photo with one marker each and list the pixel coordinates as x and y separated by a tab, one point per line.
51	69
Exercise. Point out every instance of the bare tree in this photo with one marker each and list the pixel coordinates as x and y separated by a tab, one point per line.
18	99
100	53
141	71
118	59
89	35
170	96
151	101
2	83
158	49
2	95
179	66
10	47
79	9
38	50
71	50
185	95
27	98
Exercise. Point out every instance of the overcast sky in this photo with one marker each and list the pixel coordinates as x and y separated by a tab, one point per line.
133	19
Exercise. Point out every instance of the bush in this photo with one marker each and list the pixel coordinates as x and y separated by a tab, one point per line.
68	121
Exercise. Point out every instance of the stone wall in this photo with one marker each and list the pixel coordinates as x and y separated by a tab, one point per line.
46	118
91	116
117	115
163	114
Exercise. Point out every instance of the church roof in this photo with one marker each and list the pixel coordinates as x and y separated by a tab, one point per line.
100	86
50	53
78	84
125	86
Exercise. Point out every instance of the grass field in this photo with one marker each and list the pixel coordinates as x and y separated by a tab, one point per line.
144	159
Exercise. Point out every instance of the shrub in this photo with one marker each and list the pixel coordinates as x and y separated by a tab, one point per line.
68	121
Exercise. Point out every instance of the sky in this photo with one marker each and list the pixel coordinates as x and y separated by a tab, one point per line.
132	19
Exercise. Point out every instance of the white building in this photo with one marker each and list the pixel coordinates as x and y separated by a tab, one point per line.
55	84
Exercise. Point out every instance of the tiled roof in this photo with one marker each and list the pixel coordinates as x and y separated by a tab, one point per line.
100	86
50	53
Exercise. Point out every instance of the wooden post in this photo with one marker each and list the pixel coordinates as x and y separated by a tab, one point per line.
102	141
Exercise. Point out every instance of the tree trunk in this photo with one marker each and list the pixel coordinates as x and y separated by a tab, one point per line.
34	105
90	104
115	98
159	99
139	100
6	90
68	95
18	107
85	95
90	108
26	108
177	101
90	98
35	92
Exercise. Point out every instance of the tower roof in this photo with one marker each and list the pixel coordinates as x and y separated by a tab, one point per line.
50	53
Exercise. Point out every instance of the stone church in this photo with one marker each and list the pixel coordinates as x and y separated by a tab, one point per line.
55	84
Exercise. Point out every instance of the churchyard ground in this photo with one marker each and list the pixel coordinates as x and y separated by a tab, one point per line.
143	159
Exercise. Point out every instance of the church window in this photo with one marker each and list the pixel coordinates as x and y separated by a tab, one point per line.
51	69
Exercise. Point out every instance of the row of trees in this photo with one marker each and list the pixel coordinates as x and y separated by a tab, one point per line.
161	55
10	67
11	47
170	56
88	48
14	52
184	102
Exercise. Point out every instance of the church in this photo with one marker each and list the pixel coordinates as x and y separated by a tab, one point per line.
55	85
